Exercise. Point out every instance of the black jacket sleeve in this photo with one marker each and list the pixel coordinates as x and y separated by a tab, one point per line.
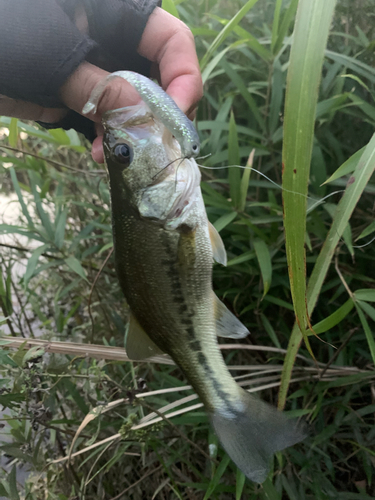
41	46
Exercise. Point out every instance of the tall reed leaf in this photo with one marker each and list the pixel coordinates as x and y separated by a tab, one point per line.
306	59
226	31
353	192
279	31
234	174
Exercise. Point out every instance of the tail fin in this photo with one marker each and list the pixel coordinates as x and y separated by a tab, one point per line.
252	435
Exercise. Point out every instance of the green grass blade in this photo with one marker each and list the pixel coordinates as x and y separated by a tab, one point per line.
366	232
304	74
248	39
169	6
350	62
277	97
270	330
5	292
241	87
351	196
20	197
226	31
365	294
217	476
75	266
369	334
369	310
334	318
353	192
234	174
245	181
13	484
60	225
240	483
284	26
206	73
264	260
13	132
275	24
43	215
270	491
347	167
224	220
253	43
32	263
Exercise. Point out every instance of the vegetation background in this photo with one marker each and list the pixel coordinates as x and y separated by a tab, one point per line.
58	283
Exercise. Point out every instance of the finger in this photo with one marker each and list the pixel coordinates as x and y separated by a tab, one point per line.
192	114
169	42
77	90
29	111
97	152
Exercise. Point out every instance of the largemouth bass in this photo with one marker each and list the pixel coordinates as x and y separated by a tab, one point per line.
164	251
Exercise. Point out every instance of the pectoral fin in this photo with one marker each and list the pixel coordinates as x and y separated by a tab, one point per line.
227	325
138	343
218	248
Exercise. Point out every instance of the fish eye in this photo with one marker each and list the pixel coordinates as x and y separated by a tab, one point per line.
123	154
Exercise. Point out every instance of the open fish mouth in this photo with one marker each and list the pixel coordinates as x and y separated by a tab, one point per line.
178	179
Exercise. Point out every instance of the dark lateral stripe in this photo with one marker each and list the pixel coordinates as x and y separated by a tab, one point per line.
220	391
195	345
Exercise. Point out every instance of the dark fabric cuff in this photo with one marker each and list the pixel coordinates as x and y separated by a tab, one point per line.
78	122
40	48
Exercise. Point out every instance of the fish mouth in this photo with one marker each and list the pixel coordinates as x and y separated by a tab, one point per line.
178	178
138	121
129	116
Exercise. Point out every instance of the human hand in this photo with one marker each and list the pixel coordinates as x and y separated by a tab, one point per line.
166	41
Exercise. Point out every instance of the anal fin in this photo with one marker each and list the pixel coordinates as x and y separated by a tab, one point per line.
227	325
138	343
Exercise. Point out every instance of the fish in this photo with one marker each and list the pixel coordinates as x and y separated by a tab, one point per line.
159	103
164	251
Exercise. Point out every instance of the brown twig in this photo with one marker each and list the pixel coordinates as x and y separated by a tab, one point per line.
55	163
96	351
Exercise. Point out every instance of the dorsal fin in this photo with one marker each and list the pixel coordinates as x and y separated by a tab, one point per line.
227	325
138	343
218	248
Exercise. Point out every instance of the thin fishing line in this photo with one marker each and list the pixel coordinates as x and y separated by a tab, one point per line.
180	158
203	157
365	245
178	166
169	164
317	202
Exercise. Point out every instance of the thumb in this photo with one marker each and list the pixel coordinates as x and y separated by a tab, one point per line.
78	87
